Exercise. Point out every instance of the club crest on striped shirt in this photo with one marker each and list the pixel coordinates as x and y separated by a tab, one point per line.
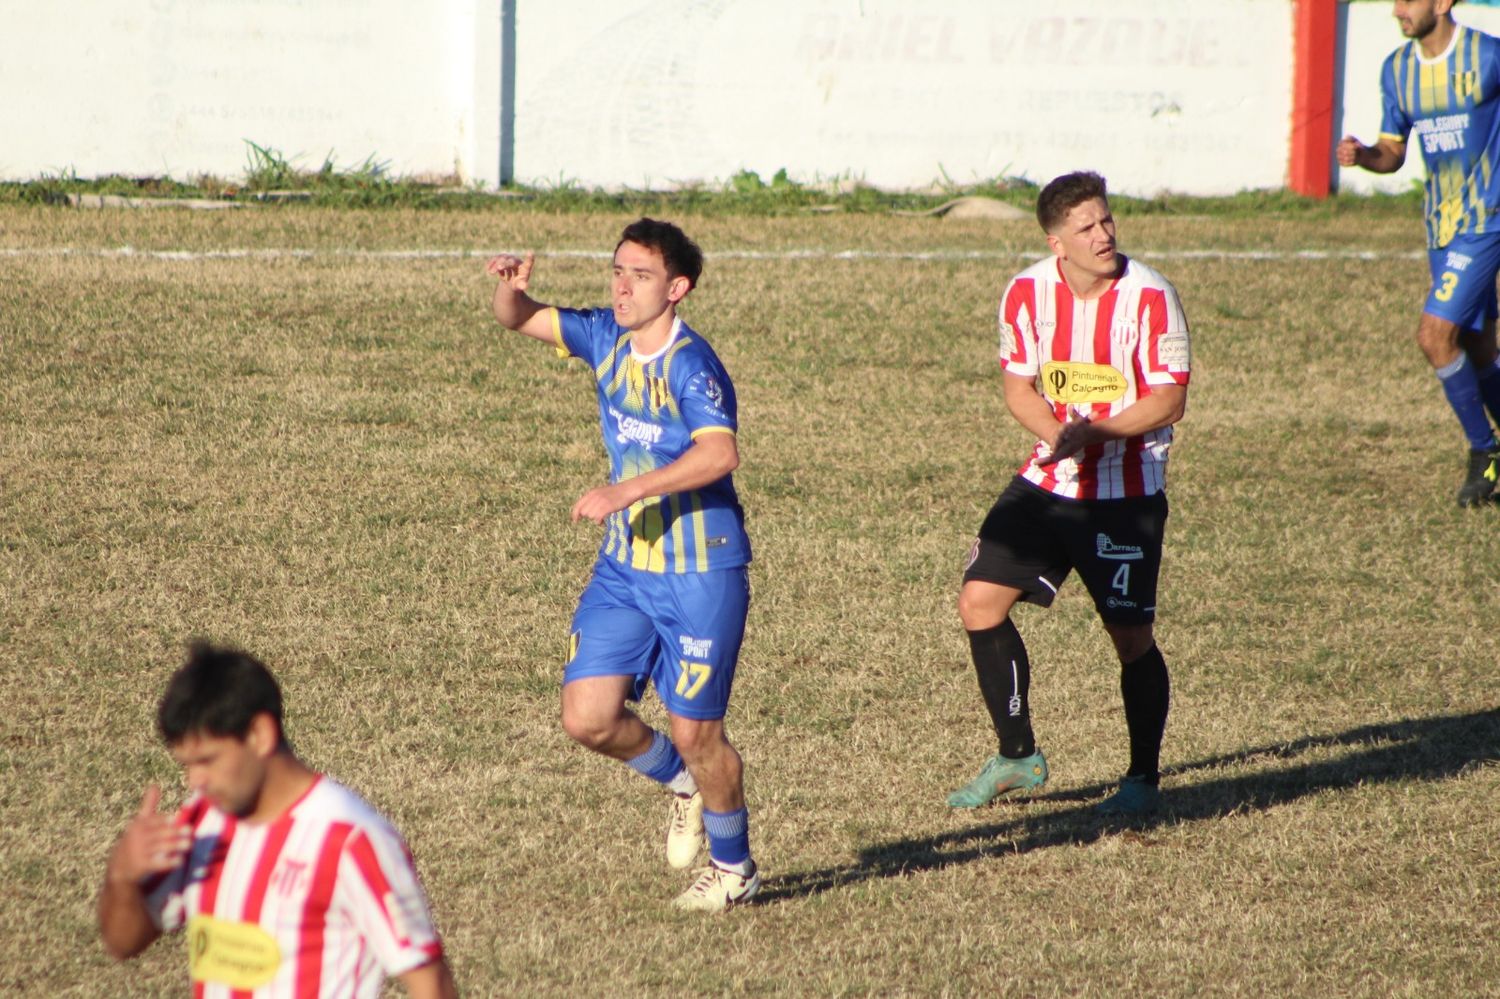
289	877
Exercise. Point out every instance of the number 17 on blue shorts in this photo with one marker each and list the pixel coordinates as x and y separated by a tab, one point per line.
680	631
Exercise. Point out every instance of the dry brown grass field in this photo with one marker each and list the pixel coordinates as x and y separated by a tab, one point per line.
338	460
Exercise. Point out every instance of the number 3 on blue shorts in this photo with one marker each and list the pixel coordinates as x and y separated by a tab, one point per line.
1450	281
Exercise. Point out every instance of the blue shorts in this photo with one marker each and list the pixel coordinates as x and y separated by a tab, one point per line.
1463	281
681	631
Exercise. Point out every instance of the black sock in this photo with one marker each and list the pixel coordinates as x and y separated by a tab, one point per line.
1004	680
1148	694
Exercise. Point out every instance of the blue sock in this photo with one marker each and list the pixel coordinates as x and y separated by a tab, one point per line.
1489	388
728	836
1461	386
661	762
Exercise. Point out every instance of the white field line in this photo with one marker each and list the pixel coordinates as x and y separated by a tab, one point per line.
129	252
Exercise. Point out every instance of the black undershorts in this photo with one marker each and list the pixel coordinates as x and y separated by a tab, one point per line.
1032	539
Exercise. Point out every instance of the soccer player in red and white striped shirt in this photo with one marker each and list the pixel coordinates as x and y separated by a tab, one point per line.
287	883
1094	349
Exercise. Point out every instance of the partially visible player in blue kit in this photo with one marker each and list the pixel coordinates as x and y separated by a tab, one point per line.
1444	84
670	588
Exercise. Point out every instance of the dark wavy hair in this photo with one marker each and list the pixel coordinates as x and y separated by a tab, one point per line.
678	252
1065	193
218	691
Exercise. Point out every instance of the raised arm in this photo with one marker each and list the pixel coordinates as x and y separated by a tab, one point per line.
1386	156
152	844
513	308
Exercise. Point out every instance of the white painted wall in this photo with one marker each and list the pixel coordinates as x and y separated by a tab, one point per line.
1157	94
1371	35
1186	95
151	87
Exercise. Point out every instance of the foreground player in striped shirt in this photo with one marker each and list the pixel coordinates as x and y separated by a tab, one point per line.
1094	349
288	884
670	587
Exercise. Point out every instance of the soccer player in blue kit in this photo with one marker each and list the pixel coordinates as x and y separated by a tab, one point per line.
1444	84
670	586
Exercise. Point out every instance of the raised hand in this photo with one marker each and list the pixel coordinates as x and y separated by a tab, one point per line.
152	843
513	270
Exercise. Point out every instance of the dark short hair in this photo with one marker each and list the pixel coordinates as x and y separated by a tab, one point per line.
218	691
680	254
1065	193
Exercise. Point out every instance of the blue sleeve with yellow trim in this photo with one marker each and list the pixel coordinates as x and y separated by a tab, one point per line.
583	333
1394	122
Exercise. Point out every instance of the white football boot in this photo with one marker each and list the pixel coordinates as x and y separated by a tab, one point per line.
685	830
717	890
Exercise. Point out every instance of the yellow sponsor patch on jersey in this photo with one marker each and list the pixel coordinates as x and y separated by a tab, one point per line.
225	952
1081	382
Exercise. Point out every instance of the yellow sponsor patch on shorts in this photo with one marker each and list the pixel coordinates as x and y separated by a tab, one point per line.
1081	382
223	952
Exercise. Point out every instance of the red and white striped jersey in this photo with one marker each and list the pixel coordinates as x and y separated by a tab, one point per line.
323	901
1098	357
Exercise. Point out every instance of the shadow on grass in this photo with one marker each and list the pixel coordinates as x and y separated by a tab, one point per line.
1420	749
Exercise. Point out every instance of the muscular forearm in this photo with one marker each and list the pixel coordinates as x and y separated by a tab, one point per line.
513	309
1162	408
1378	159
711	457
1385	156
431	981
125	925
1030	409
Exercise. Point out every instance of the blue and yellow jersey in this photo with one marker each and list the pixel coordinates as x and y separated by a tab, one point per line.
651	409
1453	104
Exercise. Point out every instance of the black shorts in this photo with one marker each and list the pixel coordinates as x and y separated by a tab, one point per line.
1031	539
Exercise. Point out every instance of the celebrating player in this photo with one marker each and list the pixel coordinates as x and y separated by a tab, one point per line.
1445	83
670	586
288	883
1094	350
